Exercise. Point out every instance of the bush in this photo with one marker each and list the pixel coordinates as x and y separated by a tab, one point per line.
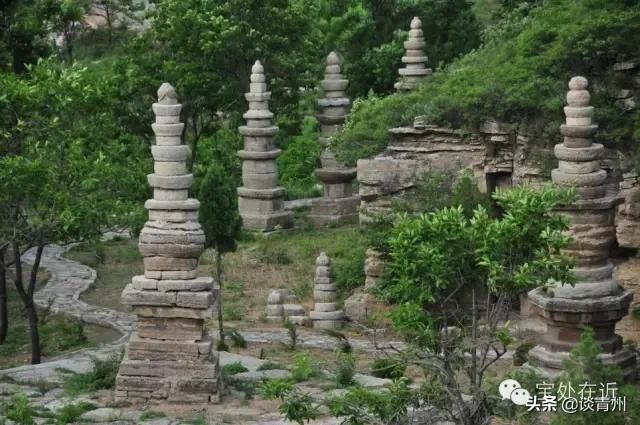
388	368
304	367
102	377
299	161
234	368
71	412
519	75
272	389
270	366
346	369
19	410
237	340
348	271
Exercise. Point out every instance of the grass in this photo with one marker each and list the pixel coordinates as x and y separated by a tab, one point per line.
234	368
102	377
148	415
58	333
115	262
71	412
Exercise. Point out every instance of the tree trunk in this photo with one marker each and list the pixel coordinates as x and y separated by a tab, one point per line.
32	315
219	300
4	314
27	297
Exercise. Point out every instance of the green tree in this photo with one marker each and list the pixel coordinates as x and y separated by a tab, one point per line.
585	366
67	170
442	253
220	220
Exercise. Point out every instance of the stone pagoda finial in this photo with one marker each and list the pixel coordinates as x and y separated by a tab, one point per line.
169	356
414	59
596	300
325	314
338	206
261	201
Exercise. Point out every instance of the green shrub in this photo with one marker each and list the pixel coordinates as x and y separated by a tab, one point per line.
389	368
234	368
346	369
303	367
520	355
299	161
270	366
272	389
150	414
71	412
292	332
102	377
19	410
348	271
237	340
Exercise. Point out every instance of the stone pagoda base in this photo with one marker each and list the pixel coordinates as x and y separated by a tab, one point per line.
339	205
566	318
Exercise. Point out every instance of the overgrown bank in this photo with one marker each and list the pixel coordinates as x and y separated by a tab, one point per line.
518	76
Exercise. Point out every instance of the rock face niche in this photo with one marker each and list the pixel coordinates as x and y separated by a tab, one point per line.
261	201
596	300
338	205
414	59
170	357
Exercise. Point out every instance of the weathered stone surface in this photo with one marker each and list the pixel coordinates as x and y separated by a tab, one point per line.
260	201
338	205
414	59
324	296
596	300
170	357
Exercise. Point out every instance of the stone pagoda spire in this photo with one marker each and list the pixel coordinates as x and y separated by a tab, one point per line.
325	314
170	355
339	205
596	301
261	201
414	59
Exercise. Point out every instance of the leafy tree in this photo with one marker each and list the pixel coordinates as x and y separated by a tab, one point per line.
116	11
447	251
67	170
220	220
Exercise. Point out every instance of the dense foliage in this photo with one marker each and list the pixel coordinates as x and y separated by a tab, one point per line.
518	75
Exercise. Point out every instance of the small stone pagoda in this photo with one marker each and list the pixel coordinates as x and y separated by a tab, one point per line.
169	357
261	201
338	205
414	59
325	314
596	300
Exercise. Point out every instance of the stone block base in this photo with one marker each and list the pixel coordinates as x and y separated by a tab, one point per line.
566	318
267	222
549	363
361	306
335	212
328	324
146	381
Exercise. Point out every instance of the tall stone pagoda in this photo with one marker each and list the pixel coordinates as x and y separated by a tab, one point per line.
414	59
261	200
170	357
338	205
596	300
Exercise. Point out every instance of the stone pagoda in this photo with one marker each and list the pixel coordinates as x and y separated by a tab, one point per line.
338	205
261	201
170	357
414	59
596	300
325	314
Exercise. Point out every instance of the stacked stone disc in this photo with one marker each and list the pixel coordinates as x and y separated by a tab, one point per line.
339	205
414	59
325	314
596	300
170	357
261	201
282	304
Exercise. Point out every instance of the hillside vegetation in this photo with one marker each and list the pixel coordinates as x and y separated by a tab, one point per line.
518	75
